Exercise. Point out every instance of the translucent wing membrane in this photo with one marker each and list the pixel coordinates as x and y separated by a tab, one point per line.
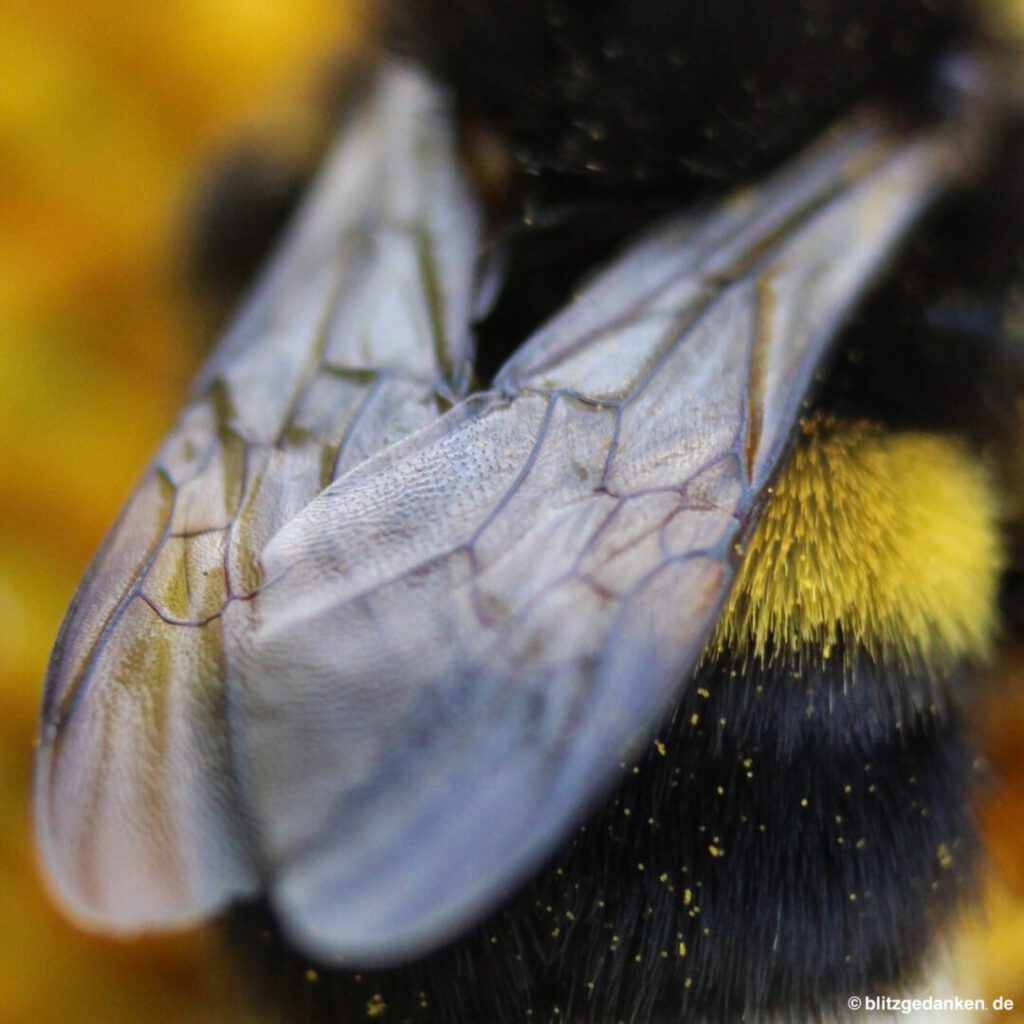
357	336
458	641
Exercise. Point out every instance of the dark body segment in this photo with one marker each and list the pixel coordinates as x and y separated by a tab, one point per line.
649	94
611	114
743	869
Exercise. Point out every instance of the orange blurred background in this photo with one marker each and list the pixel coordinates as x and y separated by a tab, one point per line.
109	111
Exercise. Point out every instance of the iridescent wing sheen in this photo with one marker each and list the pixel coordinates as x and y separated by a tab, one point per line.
357	336
458	641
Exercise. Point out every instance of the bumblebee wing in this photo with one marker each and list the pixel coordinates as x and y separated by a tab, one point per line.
458	642
357	334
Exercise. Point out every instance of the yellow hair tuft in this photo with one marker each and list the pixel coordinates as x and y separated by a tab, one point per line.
876	542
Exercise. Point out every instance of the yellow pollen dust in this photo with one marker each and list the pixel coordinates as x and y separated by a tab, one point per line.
885	541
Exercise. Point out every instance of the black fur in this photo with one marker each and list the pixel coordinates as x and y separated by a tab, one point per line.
648	93
618	111
940	345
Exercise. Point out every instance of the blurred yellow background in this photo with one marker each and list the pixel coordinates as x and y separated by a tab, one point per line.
109	109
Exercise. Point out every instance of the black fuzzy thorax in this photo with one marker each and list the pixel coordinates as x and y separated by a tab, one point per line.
618	112
660	92
791	837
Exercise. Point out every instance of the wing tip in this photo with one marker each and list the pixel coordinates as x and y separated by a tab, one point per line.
119	892
364	936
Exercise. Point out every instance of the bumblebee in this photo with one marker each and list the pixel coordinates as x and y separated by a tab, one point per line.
545	609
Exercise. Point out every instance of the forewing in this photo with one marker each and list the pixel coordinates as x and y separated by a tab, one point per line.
458	642
357	337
